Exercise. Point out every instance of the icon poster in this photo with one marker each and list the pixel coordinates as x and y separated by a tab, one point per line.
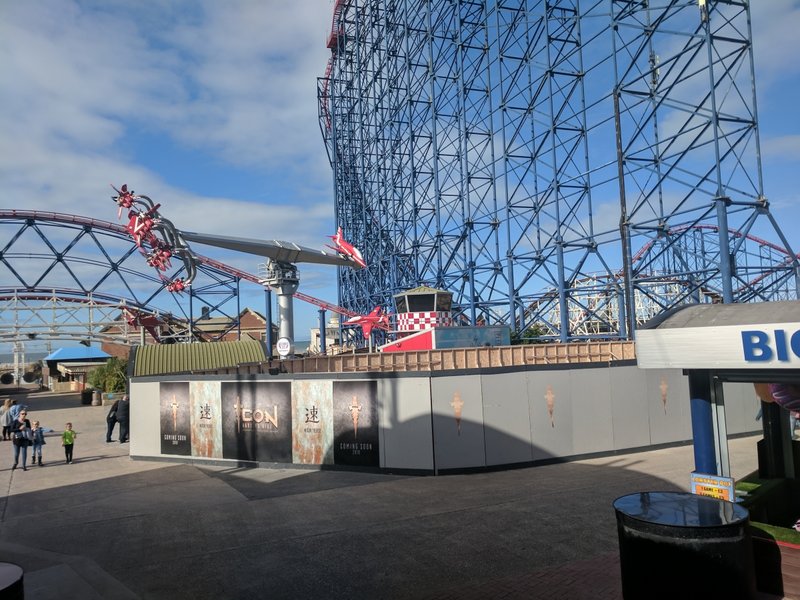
257	421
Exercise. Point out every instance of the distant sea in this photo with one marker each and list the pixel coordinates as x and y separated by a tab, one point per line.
29	357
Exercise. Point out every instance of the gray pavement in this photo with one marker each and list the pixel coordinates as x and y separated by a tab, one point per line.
108	526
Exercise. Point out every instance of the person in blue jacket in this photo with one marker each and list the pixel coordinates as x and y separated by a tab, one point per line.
38	441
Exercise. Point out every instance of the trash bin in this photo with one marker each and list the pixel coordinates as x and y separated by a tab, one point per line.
97	398
12	584
679	545
86	397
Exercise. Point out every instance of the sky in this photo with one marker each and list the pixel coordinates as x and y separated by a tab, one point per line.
210	108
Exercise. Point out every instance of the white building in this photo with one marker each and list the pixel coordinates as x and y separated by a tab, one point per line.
332	338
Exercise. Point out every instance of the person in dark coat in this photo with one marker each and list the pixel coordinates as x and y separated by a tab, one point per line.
111	421
123	416
21	434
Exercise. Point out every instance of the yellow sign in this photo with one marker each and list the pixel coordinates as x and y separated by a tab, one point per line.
714	486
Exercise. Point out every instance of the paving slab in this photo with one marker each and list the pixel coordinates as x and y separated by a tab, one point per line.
108	526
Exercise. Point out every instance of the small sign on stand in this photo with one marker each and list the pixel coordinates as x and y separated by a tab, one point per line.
721	488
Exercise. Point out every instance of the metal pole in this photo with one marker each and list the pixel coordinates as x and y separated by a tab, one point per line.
720	430
323	345
725	258
286	317
238	311
268	316
627	320
191	317
700	394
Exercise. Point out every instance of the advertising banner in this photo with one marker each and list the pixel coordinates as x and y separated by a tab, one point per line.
206	419
257	421
762	346
355	424
312	422
175	419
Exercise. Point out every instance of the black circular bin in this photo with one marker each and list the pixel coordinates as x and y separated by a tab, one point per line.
12	586
678	545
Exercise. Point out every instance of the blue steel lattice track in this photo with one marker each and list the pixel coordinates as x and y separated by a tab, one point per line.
574	165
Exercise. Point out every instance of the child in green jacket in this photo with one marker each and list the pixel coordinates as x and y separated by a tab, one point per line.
68	440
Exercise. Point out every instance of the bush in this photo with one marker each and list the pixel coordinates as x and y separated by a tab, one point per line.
772	504
532	335
110	377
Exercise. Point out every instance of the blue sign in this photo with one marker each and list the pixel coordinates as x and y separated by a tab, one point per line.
764	346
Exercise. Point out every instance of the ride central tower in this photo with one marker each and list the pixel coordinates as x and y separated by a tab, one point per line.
572	166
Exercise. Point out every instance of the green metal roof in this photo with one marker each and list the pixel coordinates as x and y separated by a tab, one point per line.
166	359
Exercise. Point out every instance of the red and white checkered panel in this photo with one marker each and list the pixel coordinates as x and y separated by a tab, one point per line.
417	321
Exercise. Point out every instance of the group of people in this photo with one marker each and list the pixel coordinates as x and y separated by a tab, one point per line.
119	413
24	434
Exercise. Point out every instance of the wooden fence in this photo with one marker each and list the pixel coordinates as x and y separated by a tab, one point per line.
449	360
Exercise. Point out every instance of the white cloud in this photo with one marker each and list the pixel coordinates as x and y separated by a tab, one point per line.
782	148
253	75
235	82
228	84
775	41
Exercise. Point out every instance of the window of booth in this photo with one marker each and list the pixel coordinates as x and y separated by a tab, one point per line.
421	302
401	304
444	302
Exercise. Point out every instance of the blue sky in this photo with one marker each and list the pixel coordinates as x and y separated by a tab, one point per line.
210	108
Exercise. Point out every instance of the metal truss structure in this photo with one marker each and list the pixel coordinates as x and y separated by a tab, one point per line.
574	165
69	277
76	278
70	314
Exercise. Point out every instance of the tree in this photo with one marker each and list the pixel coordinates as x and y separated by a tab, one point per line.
531	335
110	377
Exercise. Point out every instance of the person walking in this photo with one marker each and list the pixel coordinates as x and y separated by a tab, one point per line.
11	415
111	421
123	416
68	441
15	410
21	434
6	418
38	441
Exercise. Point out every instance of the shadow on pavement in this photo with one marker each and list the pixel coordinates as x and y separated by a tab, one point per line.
169	530
180	531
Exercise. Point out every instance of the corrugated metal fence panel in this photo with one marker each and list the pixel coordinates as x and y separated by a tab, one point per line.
163	359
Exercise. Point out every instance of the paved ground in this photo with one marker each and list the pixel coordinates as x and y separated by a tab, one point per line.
111	527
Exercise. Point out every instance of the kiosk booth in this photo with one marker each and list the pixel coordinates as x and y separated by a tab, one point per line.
756	343
714	343
424	320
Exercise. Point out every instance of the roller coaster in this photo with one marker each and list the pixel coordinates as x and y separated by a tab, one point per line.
78	278
569	169
561	166
88	281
